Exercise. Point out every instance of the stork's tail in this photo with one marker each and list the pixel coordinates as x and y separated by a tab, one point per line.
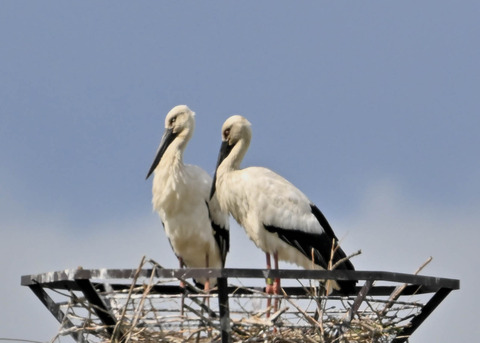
347	287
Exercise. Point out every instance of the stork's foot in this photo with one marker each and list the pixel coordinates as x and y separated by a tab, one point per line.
182	302
206	286
276	287
206	289
276	290
270	287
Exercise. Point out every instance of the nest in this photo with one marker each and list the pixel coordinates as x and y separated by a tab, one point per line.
144	315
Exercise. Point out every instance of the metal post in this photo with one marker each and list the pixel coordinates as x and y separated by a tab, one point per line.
224	310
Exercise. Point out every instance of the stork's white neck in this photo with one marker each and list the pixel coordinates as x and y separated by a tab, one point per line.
168	180
235	158
173	157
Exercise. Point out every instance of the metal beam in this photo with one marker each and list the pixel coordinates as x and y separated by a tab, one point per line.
98	305
55	310
416	321
106	274
71	285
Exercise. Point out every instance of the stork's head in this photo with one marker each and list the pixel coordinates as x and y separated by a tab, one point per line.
180	121
236	136
179	126
235	129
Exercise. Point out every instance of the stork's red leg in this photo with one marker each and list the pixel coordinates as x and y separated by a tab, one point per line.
206	286
182	285
182	265
276	284
269	287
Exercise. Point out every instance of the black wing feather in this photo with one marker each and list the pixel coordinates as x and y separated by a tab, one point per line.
319	245
222	237
307	243
339	253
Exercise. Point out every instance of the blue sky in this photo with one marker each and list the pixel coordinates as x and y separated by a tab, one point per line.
371	108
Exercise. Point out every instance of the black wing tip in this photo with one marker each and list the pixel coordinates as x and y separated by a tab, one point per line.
347	287
221	235
198	284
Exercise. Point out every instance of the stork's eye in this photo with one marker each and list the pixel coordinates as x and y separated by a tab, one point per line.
226	133
173	120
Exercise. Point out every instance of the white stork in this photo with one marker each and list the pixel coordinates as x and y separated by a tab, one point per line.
196	228
275	214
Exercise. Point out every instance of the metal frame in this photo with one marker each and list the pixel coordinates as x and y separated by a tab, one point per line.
82	280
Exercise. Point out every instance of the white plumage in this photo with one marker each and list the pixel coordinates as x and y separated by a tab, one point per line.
194	224
275	214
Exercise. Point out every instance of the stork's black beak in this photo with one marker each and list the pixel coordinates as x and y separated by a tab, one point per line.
167	138
225	149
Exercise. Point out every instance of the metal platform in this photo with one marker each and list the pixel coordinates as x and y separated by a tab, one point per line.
148	304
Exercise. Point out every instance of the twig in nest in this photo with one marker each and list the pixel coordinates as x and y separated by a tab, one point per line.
117	329
140	305
305	314
277	314
399	290
345	259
